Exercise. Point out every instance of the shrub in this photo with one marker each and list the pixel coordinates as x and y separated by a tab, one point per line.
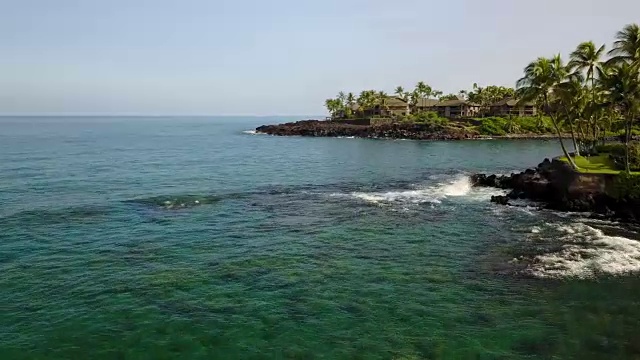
493	126
610	148
626	185
516	125
617	154
429	117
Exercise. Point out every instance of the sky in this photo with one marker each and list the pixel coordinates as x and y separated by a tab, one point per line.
273	57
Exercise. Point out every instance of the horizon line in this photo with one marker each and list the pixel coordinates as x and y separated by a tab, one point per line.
157	115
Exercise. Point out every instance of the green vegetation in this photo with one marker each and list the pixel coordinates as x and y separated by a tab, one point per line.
489	95
427	117
609	160
626	186
617	154
589	97
599	164
499	126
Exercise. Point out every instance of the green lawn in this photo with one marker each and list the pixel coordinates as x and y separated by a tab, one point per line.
600	164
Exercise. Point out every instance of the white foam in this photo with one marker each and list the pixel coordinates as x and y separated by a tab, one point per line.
585	253
435	194
252	132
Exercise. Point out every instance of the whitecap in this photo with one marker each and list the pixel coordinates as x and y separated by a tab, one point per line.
457	187
585	252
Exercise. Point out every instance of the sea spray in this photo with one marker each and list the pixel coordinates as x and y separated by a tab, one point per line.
578	250
457	187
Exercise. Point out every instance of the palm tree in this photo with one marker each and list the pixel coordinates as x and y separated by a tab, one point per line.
414	97
350	102
342	97
541	80
399	91
423	89
351	99
626	48
362	101
382	98
570	97
333	105
587	58
622	84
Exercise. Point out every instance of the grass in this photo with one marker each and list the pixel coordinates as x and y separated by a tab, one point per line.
600	164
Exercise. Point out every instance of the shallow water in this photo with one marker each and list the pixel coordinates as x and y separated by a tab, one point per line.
194	238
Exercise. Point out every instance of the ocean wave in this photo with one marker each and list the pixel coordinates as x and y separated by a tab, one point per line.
459	186
577	250
175	202
253	132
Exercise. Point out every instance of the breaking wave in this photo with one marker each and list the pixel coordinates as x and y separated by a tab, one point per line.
580	251
459	186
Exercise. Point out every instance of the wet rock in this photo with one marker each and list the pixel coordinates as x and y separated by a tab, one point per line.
500	199
392	131
558	187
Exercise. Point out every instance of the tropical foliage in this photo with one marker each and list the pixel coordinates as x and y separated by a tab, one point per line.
349	105
589	97
485	96
499	126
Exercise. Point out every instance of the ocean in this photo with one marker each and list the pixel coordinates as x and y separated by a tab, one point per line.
195	238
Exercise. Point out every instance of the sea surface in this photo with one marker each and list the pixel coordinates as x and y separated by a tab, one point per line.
195	238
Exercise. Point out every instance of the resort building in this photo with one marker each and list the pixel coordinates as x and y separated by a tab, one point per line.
512	107
457	108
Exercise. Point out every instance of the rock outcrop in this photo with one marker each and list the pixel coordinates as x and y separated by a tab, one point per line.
558	187
391	131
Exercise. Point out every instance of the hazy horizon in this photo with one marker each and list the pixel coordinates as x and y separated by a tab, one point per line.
282	58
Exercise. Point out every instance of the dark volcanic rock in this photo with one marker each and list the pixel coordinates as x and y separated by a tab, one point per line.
559	187
500	199
392	131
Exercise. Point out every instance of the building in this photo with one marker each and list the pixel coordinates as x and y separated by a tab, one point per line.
512	107
457	108
393	106
424	104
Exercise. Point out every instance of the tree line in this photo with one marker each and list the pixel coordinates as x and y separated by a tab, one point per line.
592	96
595	93
344	103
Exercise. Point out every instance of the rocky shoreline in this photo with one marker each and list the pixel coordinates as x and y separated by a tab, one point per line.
557	186
317	128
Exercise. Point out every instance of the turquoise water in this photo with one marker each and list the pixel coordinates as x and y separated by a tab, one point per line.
158	238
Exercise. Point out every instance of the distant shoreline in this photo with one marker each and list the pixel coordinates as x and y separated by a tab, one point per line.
411	131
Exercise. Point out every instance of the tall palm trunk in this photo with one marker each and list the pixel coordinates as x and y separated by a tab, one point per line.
573	137
582	133
564	149
555	125
593	118
573	133
628	131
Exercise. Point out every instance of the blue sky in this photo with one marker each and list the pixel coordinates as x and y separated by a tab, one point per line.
219	57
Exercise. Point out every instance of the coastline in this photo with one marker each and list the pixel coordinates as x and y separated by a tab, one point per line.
555	185
410	131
